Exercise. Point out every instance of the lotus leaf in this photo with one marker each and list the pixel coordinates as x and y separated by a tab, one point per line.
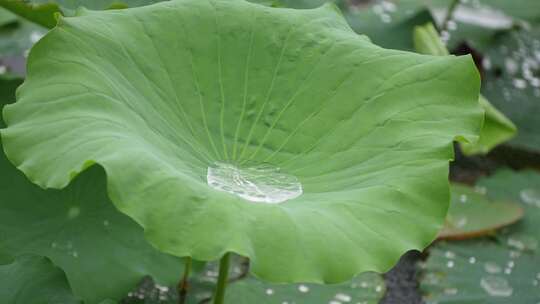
162	94
102	251
31	279
472	214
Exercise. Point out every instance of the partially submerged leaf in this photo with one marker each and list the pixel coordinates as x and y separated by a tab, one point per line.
497	128
102	251
471	214
368	288
31	279
523	187
480	272
166	96
512	83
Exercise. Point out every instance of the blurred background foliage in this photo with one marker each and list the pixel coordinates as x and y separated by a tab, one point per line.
496	211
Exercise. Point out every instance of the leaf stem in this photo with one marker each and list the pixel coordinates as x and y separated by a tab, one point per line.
219	294
451	9
184	283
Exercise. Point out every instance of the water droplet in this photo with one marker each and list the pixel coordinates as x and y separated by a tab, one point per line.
450	291
463	198
522	242
385	18
75	254
303	288
3	69
54	244
260	183
334	302
35	36
73	212
106	223
520	83
269	291
450	255
378	288
492	267
451	25
530	197
461	221
472	260
450	264
342	297
496	286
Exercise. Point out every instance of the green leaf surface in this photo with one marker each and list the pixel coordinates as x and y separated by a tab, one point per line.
33	279
480	272
497	128
523	187
158	94
507	271
7	18
368	288
102	251
472	214
512	83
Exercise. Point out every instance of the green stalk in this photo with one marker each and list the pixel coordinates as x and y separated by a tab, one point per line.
450	14
184	284
219	295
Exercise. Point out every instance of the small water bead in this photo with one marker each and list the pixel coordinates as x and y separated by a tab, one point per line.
530	197
450	264
496	286
303	288
73	212
269	291
343	297
463	198
519	83
492	267
378	288
260	183
450	255
523	242
450	291
472	260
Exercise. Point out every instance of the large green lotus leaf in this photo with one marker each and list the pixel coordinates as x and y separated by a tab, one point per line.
472	214
31	279
480	272
158	94
497	128
389	24
43	12
523	187
512	83
102	251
